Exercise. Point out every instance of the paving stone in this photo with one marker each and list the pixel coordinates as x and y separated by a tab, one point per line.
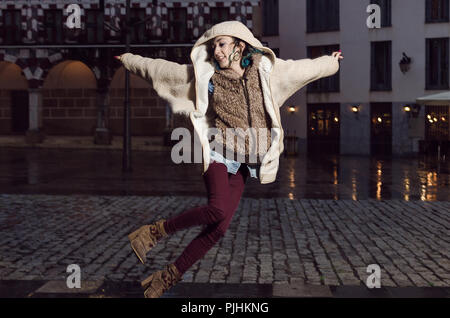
266	242
300	289
60	287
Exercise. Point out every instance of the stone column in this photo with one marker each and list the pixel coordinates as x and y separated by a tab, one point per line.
102	133
34	133
169	126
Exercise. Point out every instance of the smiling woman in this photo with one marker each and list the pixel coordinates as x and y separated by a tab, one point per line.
239	86
231	52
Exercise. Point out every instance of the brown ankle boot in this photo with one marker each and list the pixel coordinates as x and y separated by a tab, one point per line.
161	281
145	238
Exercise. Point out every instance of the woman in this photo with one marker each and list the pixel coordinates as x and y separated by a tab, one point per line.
233	82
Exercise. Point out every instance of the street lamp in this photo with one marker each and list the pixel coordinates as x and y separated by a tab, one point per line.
412	110
126	158
355	110
126	28
405	63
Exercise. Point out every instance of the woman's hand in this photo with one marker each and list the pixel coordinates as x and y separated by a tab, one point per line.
337	55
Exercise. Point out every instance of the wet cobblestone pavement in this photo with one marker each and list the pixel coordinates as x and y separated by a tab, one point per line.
67	171
320	225
270	240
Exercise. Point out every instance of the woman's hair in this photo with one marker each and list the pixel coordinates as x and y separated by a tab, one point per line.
246	59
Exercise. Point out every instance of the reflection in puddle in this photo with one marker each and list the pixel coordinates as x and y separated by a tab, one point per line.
406	183
291	179
314	177
354	187
428	187
379	183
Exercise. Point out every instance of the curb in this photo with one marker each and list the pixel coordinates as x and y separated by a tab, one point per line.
115	289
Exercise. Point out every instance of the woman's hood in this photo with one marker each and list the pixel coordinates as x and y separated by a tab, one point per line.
199	52
204	66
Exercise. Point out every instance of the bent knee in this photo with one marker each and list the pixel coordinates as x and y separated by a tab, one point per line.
217	214
218	233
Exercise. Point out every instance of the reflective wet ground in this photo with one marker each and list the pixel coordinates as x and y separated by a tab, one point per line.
327	243
70	171
202	291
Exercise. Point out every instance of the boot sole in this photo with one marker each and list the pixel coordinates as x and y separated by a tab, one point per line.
132	238
140	257
133	235
146	282
146	285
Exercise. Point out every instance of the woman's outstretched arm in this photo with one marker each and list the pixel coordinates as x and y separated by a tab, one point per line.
289	76
172	81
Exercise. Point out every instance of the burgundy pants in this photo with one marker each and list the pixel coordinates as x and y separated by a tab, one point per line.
224	193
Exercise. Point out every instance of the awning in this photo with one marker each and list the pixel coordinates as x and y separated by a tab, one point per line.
435	99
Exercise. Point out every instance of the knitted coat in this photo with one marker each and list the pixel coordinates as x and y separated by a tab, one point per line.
238	103
185	87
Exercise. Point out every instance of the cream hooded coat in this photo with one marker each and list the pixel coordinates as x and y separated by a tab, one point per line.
185	87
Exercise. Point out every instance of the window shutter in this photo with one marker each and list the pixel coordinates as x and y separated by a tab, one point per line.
309	16
389	65
372	66
427	63
445	57
445	8
428	10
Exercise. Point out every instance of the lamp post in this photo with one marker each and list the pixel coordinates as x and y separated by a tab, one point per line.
405	63
126	151
355	110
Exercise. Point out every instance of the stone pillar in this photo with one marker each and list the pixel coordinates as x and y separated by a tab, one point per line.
102	133
169	126
34	134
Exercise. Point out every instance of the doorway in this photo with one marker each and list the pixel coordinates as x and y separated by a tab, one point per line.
381	128
19	111
437	129
323	128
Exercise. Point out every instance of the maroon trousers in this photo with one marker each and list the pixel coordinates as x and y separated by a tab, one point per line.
224	193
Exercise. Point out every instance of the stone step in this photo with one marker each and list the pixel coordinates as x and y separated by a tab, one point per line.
151	143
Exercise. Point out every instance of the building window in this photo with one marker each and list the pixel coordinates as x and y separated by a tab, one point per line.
436	119
385	6
322	15
178	25
139	32
326	84
11	26
276	51
219	14
270	17
437	63
53	26
94	26
436	11
381	66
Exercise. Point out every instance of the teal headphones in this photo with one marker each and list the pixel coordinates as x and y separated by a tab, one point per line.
246	60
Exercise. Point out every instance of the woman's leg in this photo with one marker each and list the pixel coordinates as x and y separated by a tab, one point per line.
214	232
217	185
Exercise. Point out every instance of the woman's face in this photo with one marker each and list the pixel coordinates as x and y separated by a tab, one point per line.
222	47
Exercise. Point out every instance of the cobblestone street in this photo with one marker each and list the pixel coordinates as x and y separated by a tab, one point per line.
320	242
320	225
